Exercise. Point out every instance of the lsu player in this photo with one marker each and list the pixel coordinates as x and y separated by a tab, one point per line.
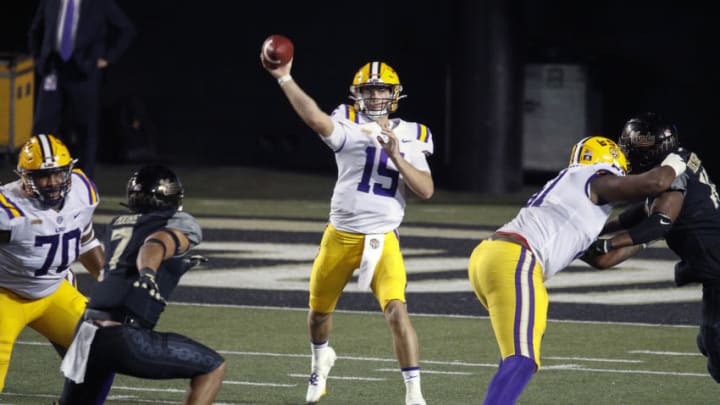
377	159
45	225
556	226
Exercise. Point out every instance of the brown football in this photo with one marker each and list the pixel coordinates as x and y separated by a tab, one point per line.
278	50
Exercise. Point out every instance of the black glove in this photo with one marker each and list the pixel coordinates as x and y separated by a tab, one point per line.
194	260
189	262
597	248
601	246
147	281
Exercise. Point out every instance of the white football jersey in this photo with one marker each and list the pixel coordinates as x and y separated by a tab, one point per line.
43	241
559	222
369	195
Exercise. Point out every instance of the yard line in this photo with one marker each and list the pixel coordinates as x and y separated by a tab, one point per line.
424	371
650	372
592	359
334	377
695	354
259	384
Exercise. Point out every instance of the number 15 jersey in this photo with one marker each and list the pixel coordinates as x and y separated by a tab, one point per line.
369	195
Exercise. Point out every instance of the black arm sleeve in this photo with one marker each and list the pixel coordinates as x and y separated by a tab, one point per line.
632	216
652	228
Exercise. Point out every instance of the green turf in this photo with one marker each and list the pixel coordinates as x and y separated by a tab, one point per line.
268	359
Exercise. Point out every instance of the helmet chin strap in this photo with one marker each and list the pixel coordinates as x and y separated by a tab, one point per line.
375	115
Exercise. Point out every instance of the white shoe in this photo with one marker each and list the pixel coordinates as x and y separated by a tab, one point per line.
319	371
414	400
413	395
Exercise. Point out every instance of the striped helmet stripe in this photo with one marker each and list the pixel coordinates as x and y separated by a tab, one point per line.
577	149
375	69
46	149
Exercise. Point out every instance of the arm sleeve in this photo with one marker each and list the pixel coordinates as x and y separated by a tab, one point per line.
632	215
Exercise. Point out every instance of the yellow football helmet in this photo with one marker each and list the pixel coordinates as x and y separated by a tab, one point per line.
376	74
596	149
43	155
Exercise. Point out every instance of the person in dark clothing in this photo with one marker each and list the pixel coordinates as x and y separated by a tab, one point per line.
72	42
687	216
148	252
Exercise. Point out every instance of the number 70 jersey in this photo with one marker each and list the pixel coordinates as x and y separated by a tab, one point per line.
369	195
43	242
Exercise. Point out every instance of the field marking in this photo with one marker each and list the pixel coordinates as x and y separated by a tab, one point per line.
654	353
553	367
335	377
425	371
318	226
419	314
257	384
592	359
294	276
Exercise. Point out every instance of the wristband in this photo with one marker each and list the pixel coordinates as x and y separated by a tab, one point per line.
676	162
284	79
147	271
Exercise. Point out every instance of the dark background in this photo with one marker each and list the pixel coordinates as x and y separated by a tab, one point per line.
194	70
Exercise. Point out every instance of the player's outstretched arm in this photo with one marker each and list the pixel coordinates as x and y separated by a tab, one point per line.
606	189
302	103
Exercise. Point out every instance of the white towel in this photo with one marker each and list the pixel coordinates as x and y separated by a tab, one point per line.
371	254
75	362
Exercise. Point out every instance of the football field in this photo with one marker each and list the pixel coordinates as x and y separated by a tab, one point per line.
620	336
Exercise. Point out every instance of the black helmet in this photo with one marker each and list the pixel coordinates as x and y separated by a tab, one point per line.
154	188
646	139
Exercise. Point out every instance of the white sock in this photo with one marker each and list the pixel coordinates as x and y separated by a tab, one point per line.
317	349
411	374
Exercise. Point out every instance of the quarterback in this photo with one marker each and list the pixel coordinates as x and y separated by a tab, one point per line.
377	159
45	225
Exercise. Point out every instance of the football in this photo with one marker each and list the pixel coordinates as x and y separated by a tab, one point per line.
278	50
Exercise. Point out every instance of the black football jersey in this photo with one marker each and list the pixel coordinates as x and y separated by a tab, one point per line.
696	230
127	233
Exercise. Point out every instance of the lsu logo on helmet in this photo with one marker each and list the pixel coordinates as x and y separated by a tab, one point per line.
597	149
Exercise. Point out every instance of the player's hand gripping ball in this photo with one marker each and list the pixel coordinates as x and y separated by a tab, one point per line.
278	50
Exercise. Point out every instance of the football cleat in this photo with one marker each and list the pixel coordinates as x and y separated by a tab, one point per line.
319	371
413	396
415	401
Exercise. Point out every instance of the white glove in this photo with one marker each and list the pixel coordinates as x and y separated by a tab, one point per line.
676	162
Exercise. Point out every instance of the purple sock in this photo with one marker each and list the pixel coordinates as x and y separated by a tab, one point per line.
510	380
